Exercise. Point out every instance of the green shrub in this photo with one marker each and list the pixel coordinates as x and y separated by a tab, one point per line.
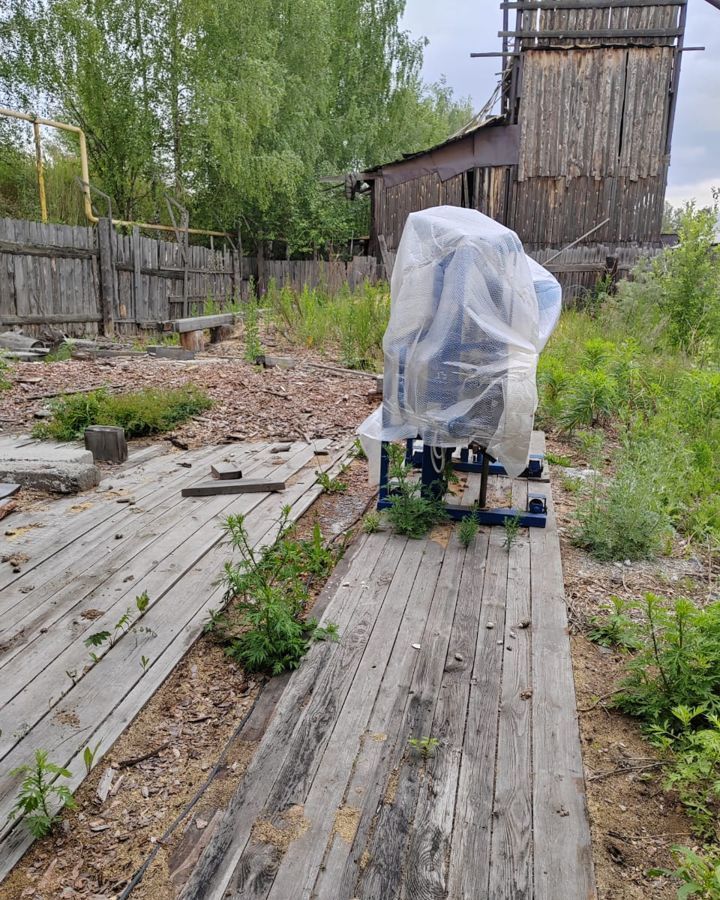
591	398
410	512
267	591
146	412
624	519
689	276
615	628
679	663
467	530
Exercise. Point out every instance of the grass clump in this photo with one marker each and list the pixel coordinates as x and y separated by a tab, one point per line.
146	412
5	383
267	592
371	523
350	324
410	512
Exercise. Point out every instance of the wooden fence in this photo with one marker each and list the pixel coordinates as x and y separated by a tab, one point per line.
85	281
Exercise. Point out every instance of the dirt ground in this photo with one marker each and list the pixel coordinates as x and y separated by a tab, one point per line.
634	822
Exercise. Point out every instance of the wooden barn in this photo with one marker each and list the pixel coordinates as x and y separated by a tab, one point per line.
581	145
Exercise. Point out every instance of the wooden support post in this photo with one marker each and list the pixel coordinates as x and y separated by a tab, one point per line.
108	285
107	443
192	340
137	291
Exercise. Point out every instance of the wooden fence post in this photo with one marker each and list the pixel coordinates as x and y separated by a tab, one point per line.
137	276
108	285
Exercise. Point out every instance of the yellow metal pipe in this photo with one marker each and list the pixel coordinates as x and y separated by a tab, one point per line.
85	175
40	173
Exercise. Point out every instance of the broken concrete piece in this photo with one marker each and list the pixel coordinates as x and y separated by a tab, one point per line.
280	448
225	470
58	468
239	486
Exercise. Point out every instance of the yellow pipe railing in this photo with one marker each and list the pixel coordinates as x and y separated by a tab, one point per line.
37	121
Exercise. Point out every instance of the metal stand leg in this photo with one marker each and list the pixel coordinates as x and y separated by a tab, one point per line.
484	480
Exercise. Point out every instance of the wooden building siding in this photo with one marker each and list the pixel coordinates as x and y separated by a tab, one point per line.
591	90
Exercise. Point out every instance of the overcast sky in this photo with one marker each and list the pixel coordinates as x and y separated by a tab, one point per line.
457	27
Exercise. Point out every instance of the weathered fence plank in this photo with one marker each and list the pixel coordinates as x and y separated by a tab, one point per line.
84	280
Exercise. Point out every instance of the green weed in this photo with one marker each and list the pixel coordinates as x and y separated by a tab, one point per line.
557	459
329	484
615	628
39	793
698	872
89	754
151	411
467	530
371	523
253	346
512	529
410	513
426	746
266	592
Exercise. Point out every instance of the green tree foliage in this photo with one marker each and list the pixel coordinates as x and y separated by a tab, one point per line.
235	108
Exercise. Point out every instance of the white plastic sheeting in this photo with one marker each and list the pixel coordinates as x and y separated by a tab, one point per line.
469	316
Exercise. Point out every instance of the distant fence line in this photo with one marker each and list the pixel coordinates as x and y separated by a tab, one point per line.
85	281
90	280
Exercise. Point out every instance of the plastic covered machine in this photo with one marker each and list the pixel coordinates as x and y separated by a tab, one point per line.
470	313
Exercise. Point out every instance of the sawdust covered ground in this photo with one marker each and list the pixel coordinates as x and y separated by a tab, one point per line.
634	821
156	767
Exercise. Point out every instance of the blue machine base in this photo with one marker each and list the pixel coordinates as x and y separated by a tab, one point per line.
497	516
535	516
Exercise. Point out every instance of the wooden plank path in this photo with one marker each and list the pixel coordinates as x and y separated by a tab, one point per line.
93	555
469	647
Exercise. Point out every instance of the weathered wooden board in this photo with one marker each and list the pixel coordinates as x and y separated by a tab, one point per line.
234	486
111	693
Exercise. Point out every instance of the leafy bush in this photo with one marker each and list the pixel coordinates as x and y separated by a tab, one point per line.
467	530
591	398
410	512
679	661
689	277
151	411
624	519
267	591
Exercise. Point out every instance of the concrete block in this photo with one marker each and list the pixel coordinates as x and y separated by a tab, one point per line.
58	468
379	383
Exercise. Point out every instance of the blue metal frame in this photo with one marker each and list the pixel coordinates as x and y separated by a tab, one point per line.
534	517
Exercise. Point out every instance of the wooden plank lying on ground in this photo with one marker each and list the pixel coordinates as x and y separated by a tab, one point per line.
233	486
200	323
561	830
228	470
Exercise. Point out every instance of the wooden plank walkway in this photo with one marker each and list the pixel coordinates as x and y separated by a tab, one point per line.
79	563
466	646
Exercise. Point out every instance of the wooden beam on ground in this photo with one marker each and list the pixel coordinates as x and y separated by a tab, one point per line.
233	486
200	323
225	470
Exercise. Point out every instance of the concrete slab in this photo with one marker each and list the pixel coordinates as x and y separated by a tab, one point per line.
59	468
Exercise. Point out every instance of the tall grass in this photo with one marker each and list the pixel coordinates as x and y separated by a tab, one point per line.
350	324
639	370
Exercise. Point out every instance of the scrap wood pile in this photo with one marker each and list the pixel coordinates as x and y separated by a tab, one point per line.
248	402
